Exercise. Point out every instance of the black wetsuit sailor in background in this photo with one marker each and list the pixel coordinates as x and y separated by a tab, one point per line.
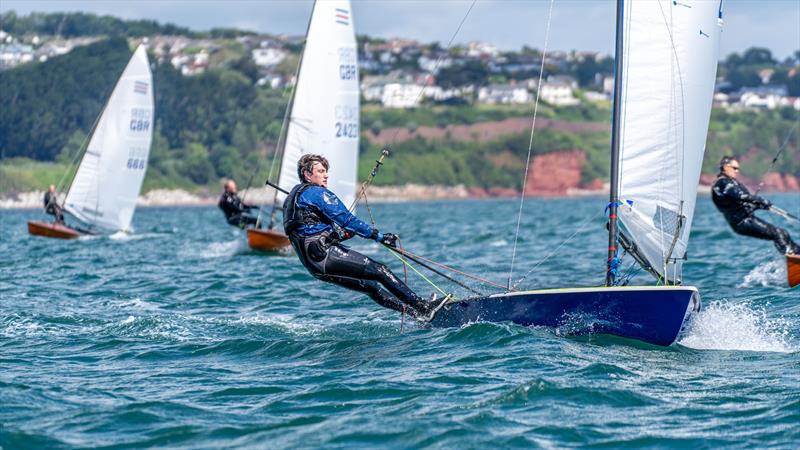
51	205
738	206
234	209
312	215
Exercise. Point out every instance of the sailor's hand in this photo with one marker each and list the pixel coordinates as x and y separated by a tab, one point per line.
763	203
389	239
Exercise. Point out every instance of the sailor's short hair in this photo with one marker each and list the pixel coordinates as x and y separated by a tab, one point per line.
725	161
306	164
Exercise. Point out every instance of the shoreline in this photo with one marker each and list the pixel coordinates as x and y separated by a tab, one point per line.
376	194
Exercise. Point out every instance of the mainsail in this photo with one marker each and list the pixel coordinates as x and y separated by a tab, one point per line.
324	116
670	53
104	191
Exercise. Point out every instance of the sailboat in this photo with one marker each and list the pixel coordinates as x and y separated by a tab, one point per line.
103	192
665	67
793	270
323	112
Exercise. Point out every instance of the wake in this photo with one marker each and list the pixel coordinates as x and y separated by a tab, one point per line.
770	273
738	326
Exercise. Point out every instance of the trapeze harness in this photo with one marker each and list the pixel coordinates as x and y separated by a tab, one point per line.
737	204
310	215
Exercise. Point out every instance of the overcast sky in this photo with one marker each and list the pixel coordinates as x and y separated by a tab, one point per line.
509	24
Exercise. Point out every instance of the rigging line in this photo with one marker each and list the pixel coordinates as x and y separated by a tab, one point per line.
530	144
439	61
363	190
564	242
777	155
437	272
677	62
452	269
280	146
422	91
419	273
86	141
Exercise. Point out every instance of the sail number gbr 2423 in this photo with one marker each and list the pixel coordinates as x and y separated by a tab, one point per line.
346	124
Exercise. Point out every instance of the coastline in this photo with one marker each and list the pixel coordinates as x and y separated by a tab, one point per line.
376	194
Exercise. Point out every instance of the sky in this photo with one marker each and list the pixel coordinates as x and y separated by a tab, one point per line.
509	24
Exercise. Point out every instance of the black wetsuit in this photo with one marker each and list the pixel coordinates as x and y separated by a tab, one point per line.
737	204
52	207
310	213
235	211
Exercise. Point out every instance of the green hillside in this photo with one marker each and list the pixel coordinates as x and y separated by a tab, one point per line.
221	124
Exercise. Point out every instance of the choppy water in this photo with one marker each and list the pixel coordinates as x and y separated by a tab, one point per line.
179	336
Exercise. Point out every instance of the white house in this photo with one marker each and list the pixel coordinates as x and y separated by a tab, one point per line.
608	86
397	95
558	94
760	100
476	49
503	93
14	54
268	57
594	96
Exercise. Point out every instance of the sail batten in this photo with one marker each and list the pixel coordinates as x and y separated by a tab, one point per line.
671	51
107	183
325	111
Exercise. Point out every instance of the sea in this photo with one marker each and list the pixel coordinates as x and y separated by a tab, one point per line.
179	336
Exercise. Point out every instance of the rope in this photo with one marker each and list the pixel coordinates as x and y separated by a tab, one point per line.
280	146
443	275
419	273
439	60
530	144
363	191
581	228
452	269
777	155
385	151
405	270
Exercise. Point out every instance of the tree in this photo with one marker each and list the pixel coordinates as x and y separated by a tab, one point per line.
473	72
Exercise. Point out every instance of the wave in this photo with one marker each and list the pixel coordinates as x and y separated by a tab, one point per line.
222	249
738	326
285	322
770	273
122	236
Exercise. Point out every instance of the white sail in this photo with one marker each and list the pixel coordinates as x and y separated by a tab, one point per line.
104	191
325	113
670	58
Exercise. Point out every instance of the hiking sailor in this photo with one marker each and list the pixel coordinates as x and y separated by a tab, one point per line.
234	209
51	205
737	204
316	222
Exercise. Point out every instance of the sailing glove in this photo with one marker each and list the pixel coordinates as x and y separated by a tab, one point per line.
389	239
763	203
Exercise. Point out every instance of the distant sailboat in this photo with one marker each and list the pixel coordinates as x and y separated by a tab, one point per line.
666	61
103	193
324	111
793	270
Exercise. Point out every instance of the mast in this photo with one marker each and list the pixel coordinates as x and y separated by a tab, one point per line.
613	201
287	120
